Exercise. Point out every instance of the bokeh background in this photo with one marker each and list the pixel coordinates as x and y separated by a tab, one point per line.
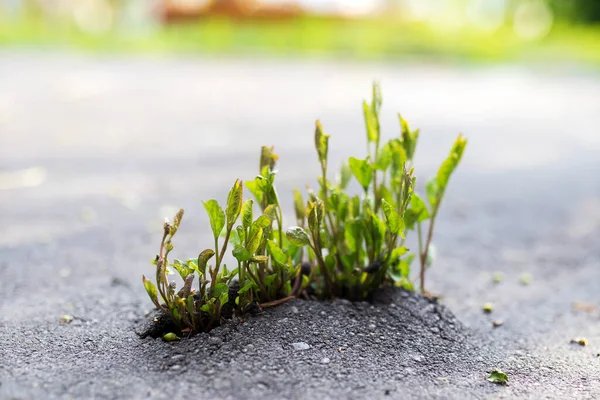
481	30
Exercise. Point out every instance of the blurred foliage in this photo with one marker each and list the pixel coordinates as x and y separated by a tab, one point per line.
527	30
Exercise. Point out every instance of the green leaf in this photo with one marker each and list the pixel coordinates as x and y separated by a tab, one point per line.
362	171
241	254
203	260
399	252
223	298
234	203
417	212
268	158
151	289
450	164
249	284
255	188
345	175
269	279
498	377
370	124
247	214
299	205
394	221
189	303
297	236
263	221
275	251
409	139
259	259
321	143
384	158
315	212
170	337
220	289
271	211
216	216
254	238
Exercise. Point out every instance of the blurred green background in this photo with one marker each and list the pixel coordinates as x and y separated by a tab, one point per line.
547	31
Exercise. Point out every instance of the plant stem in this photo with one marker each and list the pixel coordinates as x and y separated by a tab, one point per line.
276	302
425	252
328	284
219	259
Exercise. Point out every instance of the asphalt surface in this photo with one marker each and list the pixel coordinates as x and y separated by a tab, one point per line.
95	152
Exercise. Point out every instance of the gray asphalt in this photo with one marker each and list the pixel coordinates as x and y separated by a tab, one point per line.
96	151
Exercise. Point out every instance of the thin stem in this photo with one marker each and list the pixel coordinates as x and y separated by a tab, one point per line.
425	252
219	260
276	302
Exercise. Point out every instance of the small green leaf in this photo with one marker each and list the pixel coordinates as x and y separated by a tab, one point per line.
409	139
189	302
259	259
269	279
345	175
299	205
234	203
263	221
203	260
249	284
362	170
241	254
247	213
216	216
297	236
398	252
450	164
394	221
151	289
370	123
275	251
488	308
417	212
321	143
315	212
268	158
271	211
255	188
254	238
223	298
170	337
498	377
384	158
219	289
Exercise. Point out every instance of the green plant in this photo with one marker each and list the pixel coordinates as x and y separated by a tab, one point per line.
265	267
357	242
353	244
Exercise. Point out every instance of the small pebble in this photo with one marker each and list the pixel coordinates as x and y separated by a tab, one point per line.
325	360
215	340
497	324
300	346
175	367
580	341
372	326
526	278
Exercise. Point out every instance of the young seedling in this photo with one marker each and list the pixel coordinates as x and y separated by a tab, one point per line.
267	274
356	243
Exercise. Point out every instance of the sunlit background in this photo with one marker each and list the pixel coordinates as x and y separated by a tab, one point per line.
482	30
